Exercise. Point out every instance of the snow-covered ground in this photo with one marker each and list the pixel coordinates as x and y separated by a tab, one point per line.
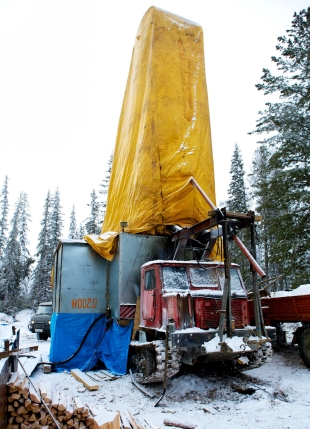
207	397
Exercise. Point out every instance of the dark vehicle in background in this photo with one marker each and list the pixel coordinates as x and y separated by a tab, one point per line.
41	321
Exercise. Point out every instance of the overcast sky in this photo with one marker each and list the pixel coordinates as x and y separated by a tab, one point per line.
63	70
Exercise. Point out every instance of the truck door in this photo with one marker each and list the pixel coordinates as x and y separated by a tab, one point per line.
148	296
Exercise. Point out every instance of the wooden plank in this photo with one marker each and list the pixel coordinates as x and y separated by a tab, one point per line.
179	424
18	351
131	419
125	421
93	409
29	364
107	374
83	378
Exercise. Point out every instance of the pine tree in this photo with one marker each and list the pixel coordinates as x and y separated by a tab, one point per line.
285	128
261	180
81	232
93	223
73	233
55	222
41	290
105	186
4	209
16	261
26	259
237	202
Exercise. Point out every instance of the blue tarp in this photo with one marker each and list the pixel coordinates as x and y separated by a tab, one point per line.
106	343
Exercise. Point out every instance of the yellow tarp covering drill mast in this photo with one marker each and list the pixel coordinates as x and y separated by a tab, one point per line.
164	136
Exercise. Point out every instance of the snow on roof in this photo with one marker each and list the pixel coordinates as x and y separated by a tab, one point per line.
198	263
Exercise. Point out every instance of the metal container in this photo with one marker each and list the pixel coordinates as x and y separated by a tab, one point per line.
85	282
79	279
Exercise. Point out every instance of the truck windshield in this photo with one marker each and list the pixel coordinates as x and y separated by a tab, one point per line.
236	285
44	309
175	278
201	277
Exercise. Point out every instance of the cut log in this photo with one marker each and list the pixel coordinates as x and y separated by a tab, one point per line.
27	404
179	424
33	395
107	420
83	378
89	421
62	401
77	405
35	408
13	379
14	397
69	408
25	390
21	410
21	382
55	399
32	417
42	388
48	397
42	415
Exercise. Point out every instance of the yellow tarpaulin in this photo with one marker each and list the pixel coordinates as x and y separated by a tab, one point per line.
163	137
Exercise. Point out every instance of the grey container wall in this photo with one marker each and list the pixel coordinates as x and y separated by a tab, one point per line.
85	282
79	279
124	271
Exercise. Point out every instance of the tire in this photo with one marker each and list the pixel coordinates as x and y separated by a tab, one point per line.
280	334
304	346
42	336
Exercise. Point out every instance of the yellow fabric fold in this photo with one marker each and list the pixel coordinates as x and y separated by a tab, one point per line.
164	136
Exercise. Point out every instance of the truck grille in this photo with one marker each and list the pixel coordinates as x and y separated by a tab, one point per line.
208	316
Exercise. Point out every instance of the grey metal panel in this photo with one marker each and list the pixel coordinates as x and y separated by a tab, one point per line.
80	279
82	275
132	252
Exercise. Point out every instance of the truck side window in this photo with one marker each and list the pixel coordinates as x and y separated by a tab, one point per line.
150	280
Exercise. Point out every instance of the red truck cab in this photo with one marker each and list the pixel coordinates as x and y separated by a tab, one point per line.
189	293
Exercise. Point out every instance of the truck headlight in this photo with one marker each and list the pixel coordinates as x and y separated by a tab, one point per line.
32	321
49	322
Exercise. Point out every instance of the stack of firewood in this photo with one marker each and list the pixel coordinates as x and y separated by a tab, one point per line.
39	407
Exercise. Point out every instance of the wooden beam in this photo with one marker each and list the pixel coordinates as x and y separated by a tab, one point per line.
83	378
18	351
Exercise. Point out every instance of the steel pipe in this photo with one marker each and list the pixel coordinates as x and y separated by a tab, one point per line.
248	255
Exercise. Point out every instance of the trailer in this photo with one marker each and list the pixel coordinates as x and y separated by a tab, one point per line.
289	307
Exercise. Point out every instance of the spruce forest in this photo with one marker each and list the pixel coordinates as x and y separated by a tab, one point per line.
277	186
